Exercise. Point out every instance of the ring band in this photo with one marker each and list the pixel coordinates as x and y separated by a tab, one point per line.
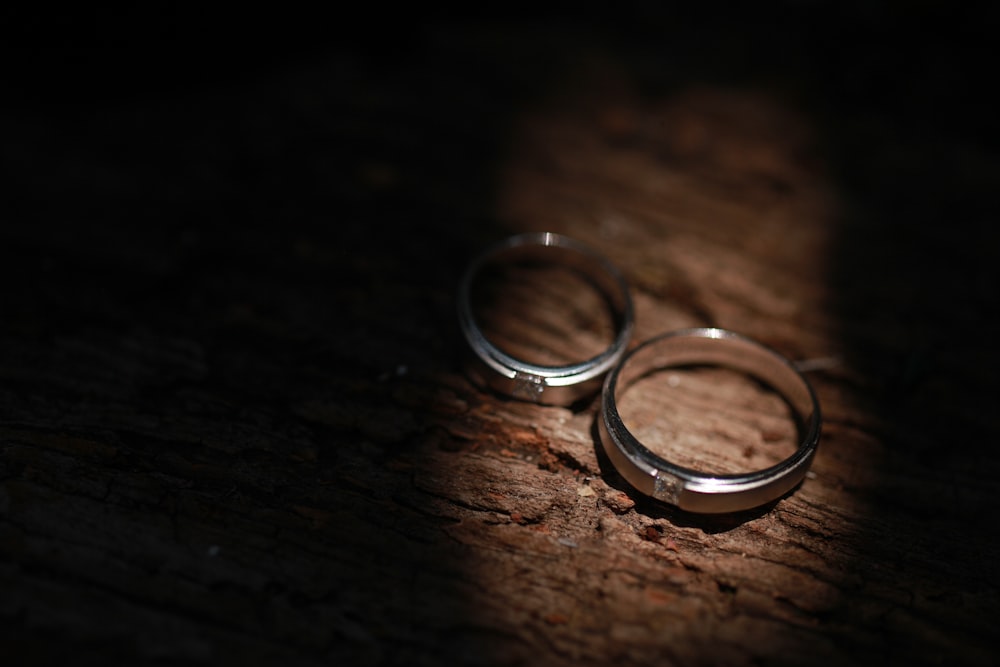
554	385
689	489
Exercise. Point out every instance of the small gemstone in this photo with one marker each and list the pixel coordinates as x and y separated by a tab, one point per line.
666	488
528	387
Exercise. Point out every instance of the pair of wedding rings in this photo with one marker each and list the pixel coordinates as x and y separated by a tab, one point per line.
688	489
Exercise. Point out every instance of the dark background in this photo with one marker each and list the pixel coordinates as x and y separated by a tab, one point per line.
172	145
208	218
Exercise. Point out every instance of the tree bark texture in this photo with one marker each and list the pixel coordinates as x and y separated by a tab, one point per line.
234	426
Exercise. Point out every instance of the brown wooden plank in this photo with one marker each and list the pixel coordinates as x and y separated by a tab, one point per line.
233	422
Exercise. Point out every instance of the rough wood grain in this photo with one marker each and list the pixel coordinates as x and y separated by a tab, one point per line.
233	424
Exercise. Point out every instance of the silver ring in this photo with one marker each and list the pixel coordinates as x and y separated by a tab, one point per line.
555	385
688	489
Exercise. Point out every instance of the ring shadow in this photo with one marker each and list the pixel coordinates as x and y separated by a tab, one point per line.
709	523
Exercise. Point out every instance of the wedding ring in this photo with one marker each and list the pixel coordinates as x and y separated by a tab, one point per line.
555	385
689	489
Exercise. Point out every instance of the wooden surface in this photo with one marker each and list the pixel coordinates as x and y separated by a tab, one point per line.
233	423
